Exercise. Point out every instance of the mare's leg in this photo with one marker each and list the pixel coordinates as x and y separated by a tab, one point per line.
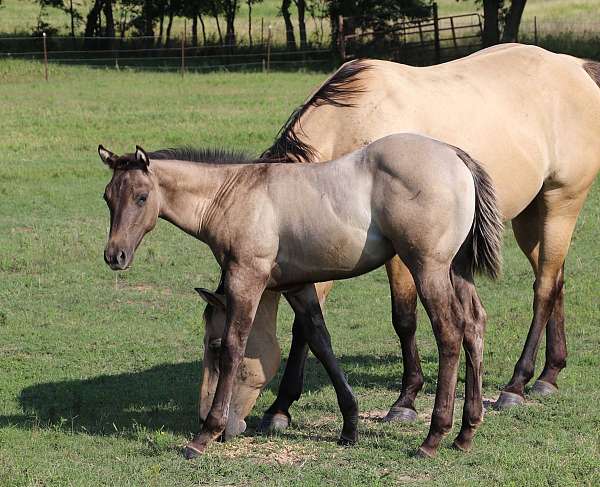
305	304
445	313
404	319
556	344
558	211
243	290
277	416
474	318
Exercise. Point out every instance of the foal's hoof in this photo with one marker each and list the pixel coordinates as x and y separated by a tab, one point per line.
542	388
508	400
273	422
424	452
401	414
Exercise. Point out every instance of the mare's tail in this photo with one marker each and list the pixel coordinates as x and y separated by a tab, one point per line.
486	234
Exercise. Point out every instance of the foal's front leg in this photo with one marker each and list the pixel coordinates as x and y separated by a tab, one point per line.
243	290
305	304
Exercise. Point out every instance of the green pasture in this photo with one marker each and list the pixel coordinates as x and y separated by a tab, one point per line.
99	371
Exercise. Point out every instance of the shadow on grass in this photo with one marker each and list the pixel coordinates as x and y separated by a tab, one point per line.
163	397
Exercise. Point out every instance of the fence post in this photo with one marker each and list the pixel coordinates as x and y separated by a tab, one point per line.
436	33
45	57
341	39
535	33
262	31
183	48
269	49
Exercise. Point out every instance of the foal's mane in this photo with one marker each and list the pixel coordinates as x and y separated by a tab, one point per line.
337	91
203	155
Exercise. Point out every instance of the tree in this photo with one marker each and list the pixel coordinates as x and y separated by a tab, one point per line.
290	39
491	32
380	12
512	21
250	3
497	15
67	7
301	6
230	8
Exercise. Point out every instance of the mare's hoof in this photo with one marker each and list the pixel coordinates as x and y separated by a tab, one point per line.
190	452
401	414
273	422
345	441
508	400
463	446
424	452
542	388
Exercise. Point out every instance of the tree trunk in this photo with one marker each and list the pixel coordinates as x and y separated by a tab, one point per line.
250	22
72	18
195	31
491	35
513	21
161	27
148	20
169	25
230	11
301	6
289	27
203	29
91	22
110	21
216	16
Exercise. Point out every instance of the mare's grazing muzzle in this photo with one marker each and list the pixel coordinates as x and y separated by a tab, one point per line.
117	259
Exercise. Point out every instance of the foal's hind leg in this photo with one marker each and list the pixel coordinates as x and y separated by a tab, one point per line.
404	319
445	313
559	213
306	305
475	319
277	417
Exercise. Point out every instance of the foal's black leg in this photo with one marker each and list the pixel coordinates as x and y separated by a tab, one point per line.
278	417
305	304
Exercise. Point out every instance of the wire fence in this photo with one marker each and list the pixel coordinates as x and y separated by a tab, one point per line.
152	53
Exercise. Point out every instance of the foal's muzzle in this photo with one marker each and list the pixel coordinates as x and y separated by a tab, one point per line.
117	259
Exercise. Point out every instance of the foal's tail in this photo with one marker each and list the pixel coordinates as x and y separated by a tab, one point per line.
486	234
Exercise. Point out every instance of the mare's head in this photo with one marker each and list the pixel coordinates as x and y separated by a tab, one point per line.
259	365
133	200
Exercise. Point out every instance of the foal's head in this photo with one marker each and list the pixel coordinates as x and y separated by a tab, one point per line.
133	200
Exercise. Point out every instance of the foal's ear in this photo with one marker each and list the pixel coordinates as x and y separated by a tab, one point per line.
141	156
214	299
106	155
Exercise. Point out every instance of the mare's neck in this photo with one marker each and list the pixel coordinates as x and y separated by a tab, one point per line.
189	192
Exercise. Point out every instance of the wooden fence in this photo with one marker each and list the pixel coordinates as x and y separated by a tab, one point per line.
422	41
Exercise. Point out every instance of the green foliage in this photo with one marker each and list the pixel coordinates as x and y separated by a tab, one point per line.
99	371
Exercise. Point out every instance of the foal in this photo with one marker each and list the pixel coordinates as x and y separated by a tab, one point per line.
426	201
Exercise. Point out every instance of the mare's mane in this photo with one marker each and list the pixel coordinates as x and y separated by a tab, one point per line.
337	91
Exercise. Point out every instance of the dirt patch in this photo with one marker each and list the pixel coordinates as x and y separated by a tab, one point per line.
269	452
22	230
375	416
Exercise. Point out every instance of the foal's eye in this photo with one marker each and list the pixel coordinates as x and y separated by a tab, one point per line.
141	199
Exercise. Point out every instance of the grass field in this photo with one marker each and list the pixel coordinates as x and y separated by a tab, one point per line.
99	371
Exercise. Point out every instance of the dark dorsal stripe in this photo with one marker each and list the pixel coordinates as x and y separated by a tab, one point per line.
336	91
